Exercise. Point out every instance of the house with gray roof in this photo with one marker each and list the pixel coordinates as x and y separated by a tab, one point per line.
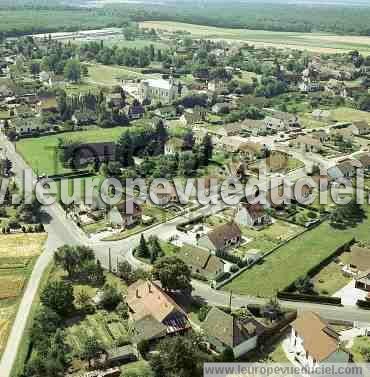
224	330
222	238
201	261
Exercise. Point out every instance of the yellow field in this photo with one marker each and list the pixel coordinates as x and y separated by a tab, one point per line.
6	314
315	42
17	251
21	245
11	286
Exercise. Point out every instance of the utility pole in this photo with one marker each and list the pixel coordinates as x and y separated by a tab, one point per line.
231	297
110	260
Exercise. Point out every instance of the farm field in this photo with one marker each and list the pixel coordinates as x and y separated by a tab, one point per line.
39	153
18	253
295	259
121	42
317	42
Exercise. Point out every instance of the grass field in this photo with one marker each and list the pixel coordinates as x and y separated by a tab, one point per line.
346	114
18	253
317	42
107	75
295	259
40	153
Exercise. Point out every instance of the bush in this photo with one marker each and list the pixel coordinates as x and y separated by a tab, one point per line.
309	298
143	347
203	311
363	304
200	277
222	276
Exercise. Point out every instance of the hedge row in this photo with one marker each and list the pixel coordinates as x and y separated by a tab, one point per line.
363	304
310	298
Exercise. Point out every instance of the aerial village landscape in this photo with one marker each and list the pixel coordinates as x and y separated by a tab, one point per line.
90	289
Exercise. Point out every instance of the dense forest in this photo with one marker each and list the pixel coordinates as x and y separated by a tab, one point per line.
26	16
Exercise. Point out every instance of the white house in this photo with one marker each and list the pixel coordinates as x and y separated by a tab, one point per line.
314	342
251	215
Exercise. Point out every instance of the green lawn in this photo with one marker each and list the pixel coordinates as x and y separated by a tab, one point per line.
267	238
108	75
41	153
295	259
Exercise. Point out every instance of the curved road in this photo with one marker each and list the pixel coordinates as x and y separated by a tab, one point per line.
62	230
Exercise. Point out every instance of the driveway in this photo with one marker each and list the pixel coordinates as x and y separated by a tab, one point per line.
350	294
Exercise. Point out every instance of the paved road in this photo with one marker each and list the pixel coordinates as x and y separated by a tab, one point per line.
62	230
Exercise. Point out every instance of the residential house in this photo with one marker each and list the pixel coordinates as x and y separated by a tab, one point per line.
280	121
359	267
5	92
251	151
125	214
321	115
343	132
222	238
115	100
217	86
121	355
363	281
310	81
359	128
224	330
193	116
165	195
252	215
148	329
173	146
166	112
201	261
348	167
31	127
321	135
135	110
231	144
314	342
47	105
221	108
255	127
84	118
94	152
364	158
308	144
147	300
336	88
